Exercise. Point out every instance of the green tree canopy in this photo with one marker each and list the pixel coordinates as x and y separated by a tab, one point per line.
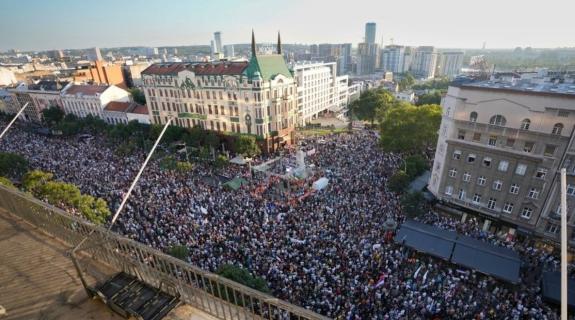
429	98
247	146
12	165
58	193
399	182
243	276
6	182
138	95
372	102
416	165
413	204
410	129
53	115
179	251
406	82
33	180
95	210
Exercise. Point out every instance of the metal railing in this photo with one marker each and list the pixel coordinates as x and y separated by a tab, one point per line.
213	294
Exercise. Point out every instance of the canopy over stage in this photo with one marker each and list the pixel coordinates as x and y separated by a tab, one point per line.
493	260
425	238
551	289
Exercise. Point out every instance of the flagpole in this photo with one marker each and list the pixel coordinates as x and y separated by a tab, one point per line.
564	301
13	119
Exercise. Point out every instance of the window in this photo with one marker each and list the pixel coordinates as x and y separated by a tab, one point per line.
525	124
461	195
491	203
520	170
557	128
563	114
541	173
498	120
526	213
549	150
510	142
481	180
476	136
473	116
466	176
493	141
503	165
476	198
452	173
457	154
449	190
552	228
461	135
533	193
487	162
471	158
528	146
514	189
508	207
497	184
570	189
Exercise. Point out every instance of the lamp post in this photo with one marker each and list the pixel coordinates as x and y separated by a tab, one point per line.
13	119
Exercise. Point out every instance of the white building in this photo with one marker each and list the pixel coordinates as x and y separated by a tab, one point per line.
393	58
83	100
317	87
7	77
424	62
408	96
123	112
449	63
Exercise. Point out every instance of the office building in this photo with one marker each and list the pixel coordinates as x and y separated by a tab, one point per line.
256	97
393	59
218	42
424	62
84	100
501	145
229	51
449	64
367	58
370	33
344	62
317	88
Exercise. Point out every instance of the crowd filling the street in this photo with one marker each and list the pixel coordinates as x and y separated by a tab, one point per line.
326	251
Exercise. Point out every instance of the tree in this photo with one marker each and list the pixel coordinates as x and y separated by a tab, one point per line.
416	165
138	95
60	193
410	129
94	210
221	161
429	98
52	115
406	82
413	204
6	182
179	251
12	165
371	103
399	182
247	146
184	166
243	276
211	140
195	136
33	180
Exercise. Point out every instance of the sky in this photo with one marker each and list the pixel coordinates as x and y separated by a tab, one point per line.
75	24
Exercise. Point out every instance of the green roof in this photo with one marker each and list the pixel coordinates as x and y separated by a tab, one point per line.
268	66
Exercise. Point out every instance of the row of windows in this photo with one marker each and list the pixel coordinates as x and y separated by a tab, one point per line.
498	184
528	146
491	203
502	166
499	120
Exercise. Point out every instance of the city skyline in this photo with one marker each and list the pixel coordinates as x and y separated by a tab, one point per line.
444	24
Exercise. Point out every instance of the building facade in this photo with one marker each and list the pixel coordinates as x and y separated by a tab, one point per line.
370	32
39	96
393	58
368	58
117	112
84	100
424	62
449	64
100	72
316	89
499	152
256	97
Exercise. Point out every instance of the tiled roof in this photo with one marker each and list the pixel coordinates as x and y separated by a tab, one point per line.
89	90
128	107
140	109
166	68
199	68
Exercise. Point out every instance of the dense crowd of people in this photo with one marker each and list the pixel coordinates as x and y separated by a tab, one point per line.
327	252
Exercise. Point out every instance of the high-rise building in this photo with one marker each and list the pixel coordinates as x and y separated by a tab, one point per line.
500	147
218	42
393	58
368	58
316	89
314	50
370	32
423	62
256	97
94	54
345	59
449	63
229	51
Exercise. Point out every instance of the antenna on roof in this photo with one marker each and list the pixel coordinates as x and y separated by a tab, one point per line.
253	44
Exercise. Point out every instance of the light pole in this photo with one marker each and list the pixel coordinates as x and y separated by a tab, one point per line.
13	119
564	301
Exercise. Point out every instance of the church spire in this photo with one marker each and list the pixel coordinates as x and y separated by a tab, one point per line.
253	44
279	48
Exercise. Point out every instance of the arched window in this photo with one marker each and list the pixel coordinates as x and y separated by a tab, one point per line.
525	124
498	120
473	116
557	128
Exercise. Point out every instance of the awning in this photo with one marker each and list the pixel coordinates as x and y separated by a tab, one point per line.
551	288
235	183
425	238
493	260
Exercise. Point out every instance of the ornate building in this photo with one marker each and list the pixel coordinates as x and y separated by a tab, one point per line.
256	97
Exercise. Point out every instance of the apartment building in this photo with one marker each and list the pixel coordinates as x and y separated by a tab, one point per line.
424	62
39	96
84	100
256	97
500	148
